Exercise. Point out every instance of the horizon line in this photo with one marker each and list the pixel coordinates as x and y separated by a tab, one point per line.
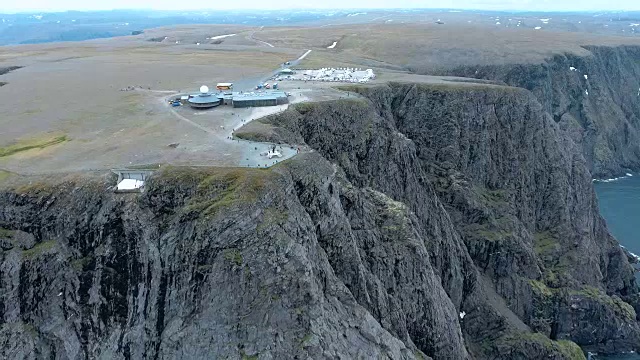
53	11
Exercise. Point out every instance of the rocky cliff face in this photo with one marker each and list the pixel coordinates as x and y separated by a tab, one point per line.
445	222
595	99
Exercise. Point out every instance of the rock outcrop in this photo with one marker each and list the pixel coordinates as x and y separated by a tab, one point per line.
595	99
449	222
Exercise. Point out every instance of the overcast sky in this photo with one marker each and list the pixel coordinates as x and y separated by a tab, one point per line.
548	5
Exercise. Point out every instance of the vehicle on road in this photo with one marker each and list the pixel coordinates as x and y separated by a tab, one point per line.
224	86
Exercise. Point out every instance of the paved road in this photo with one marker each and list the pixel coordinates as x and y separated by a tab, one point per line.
250	37
248	153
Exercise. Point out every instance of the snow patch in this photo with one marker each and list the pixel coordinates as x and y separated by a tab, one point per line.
221	36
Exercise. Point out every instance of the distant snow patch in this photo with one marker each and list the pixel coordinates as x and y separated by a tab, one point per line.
332	45
221	36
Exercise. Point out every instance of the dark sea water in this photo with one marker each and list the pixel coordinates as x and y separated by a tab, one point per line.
616	357
620	206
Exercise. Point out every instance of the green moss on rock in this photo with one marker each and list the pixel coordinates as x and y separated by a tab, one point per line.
614	302
545	242
540	289
272	217
234	256
215	189
567	349
6	233
39	249
80	264
495	230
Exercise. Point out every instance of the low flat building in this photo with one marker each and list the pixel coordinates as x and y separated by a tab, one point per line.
205	101
130	180
254	99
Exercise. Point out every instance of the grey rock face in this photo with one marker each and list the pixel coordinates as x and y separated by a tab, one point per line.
444	222
594	99
514	185
206	264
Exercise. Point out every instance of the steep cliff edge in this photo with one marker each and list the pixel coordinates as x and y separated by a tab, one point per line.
216	263
515	186
445	222
594	98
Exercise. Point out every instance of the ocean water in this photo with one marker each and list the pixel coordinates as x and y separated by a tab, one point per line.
620	206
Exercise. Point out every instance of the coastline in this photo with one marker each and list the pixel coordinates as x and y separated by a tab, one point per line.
627	175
